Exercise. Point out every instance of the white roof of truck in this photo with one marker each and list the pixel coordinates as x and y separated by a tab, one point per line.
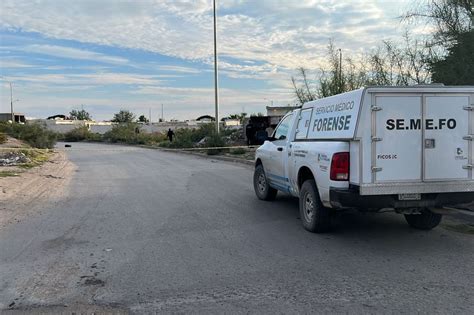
336	117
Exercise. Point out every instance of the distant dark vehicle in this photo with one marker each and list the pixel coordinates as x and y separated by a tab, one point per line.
67	146
261	136
256	129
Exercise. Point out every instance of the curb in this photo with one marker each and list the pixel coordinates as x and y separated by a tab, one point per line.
203	155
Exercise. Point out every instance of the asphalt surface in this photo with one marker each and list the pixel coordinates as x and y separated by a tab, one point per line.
147	231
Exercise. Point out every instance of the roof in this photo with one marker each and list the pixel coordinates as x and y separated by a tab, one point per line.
205	117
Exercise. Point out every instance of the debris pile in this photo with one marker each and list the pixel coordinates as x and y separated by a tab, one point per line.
202	142
13	158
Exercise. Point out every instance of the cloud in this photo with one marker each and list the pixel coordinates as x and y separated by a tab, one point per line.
269	31
179	69
257	40
72	53
91	79
12	63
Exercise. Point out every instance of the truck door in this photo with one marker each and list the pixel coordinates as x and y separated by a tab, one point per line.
397	141
446	149
421	138
279	152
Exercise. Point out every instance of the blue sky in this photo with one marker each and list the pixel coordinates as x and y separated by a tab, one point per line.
111	54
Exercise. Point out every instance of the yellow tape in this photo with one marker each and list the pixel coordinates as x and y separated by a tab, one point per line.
129	148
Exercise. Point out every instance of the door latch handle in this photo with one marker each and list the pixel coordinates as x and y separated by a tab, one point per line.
429	143
280	149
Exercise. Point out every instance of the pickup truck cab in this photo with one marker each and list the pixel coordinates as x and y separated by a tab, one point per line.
406	149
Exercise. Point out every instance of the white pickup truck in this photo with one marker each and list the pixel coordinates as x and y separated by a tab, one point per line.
407	149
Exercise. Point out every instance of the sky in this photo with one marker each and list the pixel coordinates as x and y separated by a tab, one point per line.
107	55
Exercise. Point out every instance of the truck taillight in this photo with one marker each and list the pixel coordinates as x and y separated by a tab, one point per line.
340	166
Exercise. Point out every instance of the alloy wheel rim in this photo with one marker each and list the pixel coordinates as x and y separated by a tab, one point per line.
308	207
262	183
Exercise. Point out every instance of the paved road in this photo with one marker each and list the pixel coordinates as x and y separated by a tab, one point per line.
144	231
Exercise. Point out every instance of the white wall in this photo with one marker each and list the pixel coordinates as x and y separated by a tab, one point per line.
63	126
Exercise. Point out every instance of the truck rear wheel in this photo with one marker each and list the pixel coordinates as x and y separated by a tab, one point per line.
315	217
261	186
426	220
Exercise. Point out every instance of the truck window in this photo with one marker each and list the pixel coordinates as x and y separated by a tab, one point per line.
282	130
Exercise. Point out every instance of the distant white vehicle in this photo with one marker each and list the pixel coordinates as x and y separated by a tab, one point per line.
407	149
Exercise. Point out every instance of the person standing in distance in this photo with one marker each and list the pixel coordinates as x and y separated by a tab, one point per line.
170	134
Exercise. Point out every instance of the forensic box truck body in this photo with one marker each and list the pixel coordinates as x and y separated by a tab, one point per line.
407	149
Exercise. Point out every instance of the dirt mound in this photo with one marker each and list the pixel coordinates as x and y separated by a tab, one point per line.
13	143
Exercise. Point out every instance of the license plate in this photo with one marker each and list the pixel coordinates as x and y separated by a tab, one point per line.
409	196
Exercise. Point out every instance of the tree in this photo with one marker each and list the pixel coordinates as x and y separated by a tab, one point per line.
124	116
143	119
242	117
449	18
405	64
301	87
452	21
390	64
79	114
458	66
333	80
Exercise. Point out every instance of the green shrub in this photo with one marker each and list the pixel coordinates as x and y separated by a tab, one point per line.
92	136
238	151
77	134
187	138
123	133
131	134
215	141
3	137
35	134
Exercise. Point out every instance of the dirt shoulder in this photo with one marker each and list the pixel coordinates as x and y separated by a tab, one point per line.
22	195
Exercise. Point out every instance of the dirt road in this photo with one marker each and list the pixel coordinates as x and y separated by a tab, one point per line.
28	192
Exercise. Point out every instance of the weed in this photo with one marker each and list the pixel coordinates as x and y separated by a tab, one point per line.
8	174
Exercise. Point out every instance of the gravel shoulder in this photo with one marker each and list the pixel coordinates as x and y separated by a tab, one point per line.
23	195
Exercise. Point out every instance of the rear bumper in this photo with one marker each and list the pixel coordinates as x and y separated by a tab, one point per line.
351	198
415	187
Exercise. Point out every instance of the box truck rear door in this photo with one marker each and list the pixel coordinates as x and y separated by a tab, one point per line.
446	123
397	138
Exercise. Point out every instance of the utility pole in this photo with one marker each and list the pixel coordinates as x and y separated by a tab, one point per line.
149	115
162	118
340	70
11	102
216	83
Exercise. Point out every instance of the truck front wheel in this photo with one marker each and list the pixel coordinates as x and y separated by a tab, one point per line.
261	186
426	220
315	217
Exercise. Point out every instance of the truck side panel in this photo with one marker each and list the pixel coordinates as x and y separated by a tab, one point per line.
316	155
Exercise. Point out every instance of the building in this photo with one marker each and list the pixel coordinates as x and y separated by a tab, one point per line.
205	119
19	118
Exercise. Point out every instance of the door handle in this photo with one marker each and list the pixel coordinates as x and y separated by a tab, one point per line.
429	143
280	149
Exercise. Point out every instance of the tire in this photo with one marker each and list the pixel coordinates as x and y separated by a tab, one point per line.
260	184
315	217
426	220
